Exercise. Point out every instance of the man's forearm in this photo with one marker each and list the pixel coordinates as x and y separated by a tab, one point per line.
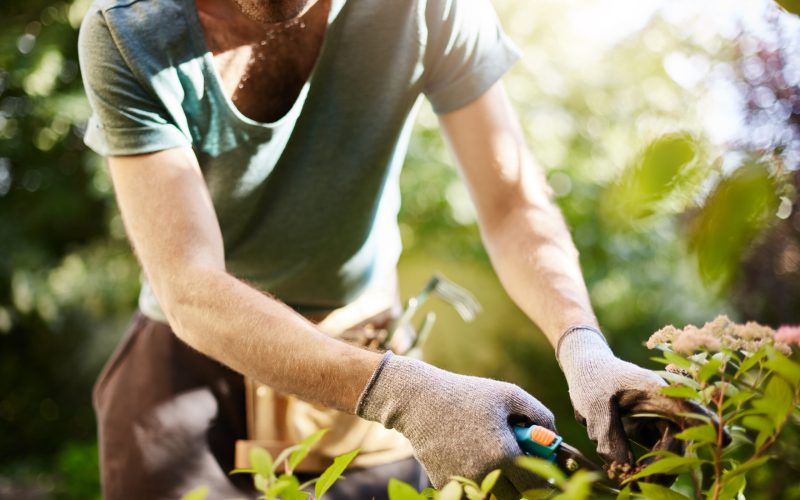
533	254
523	230
258	336
170	219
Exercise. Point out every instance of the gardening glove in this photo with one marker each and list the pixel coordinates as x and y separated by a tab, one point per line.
457	425
607	392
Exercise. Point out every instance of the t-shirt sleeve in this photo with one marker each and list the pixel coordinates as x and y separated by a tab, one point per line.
466	53
127	118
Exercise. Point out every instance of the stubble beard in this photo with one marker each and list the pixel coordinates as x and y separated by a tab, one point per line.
274	11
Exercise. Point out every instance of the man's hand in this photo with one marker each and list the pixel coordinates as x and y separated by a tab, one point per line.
606	392
458	425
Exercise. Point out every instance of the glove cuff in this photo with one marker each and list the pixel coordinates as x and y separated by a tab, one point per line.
579	339
362	399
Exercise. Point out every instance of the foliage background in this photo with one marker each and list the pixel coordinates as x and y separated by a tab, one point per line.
705	221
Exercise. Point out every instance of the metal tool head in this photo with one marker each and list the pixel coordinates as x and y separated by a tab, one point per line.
462	301
571	460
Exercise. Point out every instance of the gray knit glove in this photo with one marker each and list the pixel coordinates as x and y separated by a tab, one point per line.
606	392
457	425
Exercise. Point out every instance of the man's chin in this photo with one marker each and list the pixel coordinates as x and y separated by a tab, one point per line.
274	11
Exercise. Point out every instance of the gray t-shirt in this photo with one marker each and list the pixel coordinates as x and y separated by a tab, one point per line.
307	204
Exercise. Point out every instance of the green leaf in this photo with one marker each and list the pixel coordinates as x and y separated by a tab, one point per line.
696	416
428	493
490	480
261	483
537	494
668	465
730	389
463	480
708	370
732	486
750	362
543	468
242	471
285	485
658	492
739	436
680	391
737	399
624	493
724	355
700	434
677	360
668	166
777	401
746	200
746	467
730	355
283	455
657	416
744	413
333	472
578	486
451	491
678	379
758	423
657	453
309	483
261	461
295	495
472	492
398	490
298	455
761	438
199	493
314	438
784	366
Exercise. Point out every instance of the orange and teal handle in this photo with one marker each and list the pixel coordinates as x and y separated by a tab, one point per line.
538	441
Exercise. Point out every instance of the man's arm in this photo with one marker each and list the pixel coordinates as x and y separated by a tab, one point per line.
534	256
171	221
523	230
172	225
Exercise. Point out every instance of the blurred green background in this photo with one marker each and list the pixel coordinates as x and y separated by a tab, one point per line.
670	132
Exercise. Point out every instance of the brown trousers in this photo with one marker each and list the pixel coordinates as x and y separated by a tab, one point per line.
169	417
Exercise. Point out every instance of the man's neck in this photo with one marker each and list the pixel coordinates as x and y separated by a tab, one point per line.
226	27
229	11
263	67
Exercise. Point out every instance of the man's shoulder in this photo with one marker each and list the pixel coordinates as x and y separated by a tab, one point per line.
143	19
135	7
143	31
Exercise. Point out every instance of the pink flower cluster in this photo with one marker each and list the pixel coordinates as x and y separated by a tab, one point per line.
788	334
722	332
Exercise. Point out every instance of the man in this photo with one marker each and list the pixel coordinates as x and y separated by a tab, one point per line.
255	148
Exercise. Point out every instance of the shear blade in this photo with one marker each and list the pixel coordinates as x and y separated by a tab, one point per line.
571	460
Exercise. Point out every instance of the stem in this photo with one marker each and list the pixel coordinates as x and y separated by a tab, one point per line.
760	451
771	440
720	441
757	383
696	481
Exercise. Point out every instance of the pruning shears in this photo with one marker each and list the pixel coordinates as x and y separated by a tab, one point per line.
541	442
